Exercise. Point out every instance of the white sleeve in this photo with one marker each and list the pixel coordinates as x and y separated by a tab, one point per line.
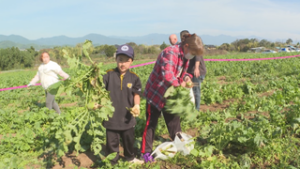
56	68
63	74
35	79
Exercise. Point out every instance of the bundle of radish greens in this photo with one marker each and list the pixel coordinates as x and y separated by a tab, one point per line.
178	101
86	82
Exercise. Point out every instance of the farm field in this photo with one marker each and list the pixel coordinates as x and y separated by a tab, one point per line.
249	118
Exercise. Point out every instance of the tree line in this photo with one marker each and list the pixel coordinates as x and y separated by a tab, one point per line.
243	45
14	58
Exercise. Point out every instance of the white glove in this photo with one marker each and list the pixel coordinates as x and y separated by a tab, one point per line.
135	110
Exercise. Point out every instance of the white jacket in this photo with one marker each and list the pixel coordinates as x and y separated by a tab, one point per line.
47	74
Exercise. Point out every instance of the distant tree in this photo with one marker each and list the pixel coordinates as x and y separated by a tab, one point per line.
132	44
241	44
279	44
55	54
145	50
27	60
252	44
32	51
163	46
273	45
109	50
152	50
13	58
289	41
224	46
140	49
99	49
253	40
30	57
264	43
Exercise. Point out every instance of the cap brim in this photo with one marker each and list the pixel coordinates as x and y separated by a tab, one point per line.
125	54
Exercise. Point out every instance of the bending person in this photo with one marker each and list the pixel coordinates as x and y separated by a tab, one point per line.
169	70
47	74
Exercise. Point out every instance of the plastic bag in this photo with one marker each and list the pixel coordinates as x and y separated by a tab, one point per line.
164	151
192	95
184	143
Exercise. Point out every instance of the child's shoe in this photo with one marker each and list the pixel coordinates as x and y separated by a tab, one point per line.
136	161
148	158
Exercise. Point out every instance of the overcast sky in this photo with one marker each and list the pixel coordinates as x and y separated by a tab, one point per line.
33	19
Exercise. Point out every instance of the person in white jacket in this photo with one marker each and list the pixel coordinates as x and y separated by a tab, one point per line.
47	74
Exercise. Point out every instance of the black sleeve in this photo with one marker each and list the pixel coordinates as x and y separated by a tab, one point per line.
198	58
137	86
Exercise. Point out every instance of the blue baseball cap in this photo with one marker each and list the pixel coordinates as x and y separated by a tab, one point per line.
126	50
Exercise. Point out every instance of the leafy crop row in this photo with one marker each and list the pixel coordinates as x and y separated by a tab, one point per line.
259	128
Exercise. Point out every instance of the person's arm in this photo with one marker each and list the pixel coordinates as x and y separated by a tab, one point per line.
197	70
58	70
135	111
186	76
63	74
168	67
197	66
136	89
34	80
137	86
137	99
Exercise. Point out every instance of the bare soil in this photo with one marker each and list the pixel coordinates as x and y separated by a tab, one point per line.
68	104
192	131
87	159
69	161
266	94
1	136
222	80
217	106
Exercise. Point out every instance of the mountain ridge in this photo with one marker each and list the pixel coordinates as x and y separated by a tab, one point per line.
98	39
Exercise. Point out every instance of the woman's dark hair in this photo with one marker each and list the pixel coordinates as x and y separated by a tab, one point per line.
182	33
195	44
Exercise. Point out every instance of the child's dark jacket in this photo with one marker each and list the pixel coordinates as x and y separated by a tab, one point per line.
121	92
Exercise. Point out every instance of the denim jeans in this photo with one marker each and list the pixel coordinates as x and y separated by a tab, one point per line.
197	90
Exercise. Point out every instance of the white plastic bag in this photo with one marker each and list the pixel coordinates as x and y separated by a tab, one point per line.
164	151
192	95
184	143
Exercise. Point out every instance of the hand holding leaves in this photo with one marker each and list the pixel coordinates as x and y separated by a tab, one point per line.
135	110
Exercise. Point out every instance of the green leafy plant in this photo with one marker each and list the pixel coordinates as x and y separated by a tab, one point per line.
178	102
86	82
